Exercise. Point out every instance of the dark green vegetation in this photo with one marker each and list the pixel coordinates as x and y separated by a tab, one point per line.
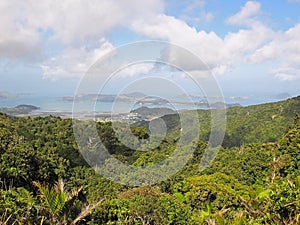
255	178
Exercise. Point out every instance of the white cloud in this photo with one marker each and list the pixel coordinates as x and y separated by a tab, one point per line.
287	73
245	16
16	39
247	41
70	21
255	44
207	45
135	69
74	62
75	20
285	48
28	27
206	16
195	12
220	54
291	44
265	52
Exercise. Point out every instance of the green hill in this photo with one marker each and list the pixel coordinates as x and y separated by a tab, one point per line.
252	124
254	178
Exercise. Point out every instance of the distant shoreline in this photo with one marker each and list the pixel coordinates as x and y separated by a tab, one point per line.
44	106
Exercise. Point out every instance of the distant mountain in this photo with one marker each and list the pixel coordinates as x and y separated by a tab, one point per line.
146	111
27	107
19	110
138	97
252	124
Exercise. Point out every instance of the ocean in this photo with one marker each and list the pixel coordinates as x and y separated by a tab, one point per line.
56	105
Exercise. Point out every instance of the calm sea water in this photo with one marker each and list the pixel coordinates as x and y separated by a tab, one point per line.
55	105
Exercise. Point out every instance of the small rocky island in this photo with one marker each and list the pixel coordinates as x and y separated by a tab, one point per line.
20	110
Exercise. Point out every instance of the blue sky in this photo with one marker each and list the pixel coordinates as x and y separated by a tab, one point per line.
252	47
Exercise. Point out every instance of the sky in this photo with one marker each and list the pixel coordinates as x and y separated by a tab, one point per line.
251	47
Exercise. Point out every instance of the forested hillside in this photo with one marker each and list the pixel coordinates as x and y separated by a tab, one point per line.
255	178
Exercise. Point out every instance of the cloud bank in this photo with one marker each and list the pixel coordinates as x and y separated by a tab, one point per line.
66	37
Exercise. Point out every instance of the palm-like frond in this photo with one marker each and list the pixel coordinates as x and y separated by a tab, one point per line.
54	199
59	202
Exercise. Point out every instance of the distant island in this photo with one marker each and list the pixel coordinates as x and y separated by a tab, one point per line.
145	106
146	111
20	110
137	97
142	100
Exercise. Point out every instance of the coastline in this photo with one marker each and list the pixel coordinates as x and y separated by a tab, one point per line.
46	106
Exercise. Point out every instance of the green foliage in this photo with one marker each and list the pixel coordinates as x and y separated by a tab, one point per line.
17	205
289	146
140	132
279	203
21	163
217	189
248	163
254	179
143	205
55	198
61	204
95	187
259	123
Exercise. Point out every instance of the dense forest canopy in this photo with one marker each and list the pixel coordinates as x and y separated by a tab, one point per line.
255	178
